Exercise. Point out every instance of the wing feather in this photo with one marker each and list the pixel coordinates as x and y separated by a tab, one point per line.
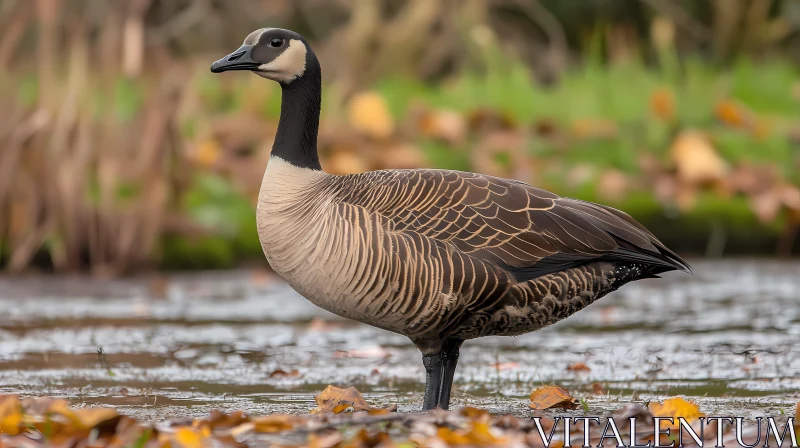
526	230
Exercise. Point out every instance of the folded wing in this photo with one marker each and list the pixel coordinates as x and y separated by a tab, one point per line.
526	230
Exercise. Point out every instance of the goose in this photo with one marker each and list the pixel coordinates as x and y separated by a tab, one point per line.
438	256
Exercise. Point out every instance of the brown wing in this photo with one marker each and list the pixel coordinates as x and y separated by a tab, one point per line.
526	230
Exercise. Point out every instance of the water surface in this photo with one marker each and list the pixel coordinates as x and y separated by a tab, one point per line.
180	345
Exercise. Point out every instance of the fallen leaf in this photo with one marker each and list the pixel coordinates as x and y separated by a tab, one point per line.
275	423
613	185
283	373
676	407
446	125
473	413
369	114
578	367
662	104
402	156
89	418
207	153
591	128
597	389
484	120
696	160
549	397
732	114
325	439
335	400
188	438
10	415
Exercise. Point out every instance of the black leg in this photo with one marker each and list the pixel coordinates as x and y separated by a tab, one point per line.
449	360
433	378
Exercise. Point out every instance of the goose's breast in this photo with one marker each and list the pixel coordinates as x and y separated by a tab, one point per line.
340	258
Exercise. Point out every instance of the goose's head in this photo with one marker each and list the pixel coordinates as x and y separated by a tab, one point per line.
273	53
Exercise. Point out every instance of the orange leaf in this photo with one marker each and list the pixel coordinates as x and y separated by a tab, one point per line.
207	153
188	438
369	114
336	400
662	104
674	408
732	114
548	397
10	415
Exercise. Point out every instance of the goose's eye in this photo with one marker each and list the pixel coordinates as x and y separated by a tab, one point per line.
275	42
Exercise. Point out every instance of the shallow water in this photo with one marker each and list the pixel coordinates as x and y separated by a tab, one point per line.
179	345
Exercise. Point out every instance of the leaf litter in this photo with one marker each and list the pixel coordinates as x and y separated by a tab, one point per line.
343	419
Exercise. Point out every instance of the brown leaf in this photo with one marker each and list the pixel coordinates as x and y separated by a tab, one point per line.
336	400
578	367
597	389
549	397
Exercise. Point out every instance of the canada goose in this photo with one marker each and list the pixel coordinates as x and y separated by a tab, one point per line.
436	255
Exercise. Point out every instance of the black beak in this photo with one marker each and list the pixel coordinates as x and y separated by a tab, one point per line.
240	59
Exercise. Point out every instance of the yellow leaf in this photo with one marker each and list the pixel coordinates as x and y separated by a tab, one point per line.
10	415
676	407
188	438
548	397
369	114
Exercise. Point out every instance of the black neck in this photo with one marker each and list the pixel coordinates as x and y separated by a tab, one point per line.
296	139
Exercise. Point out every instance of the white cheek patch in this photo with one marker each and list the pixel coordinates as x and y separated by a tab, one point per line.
290	65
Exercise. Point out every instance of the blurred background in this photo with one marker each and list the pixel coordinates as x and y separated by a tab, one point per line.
119	151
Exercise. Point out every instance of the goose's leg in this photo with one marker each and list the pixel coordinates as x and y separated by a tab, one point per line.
449	361
433	379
